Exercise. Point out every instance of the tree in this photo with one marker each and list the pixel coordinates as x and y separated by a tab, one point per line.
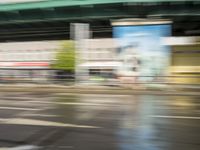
65	58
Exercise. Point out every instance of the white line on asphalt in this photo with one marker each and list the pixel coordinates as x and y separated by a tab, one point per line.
40	115
19	108
107	95
92	95
27	147
175	117
34	122
68	103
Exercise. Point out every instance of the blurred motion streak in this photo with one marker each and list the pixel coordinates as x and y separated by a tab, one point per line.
99	74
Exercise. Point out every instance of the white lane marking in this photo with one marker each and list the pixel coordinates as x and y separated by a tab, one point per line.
40	115
2	119
17	104
26	147
68	103
19	108
106	95
34	122
174	117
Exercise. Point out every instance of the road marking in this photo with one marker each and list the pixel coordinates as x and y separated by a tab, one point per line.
40	115
174	117
19	108
34	122
26	147
68	103
106	95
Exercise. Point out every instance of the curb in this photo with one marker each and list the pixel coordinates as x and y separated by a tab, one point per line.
96	90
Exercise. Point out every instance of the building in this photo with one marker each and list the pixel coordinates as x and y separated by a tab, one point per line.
27	60
99	57
185	62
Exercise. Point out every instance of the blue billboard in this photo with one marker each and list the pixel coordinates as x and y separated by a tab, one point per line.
141	50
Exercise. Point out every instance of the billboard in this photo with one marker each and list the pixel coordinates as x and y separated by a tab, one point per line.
141	50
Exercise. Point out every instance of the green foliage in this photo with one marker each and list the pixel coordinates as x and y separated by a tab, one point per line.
65	58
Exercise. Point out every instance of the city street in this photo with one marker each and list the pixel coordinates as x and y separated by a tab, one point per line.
53	121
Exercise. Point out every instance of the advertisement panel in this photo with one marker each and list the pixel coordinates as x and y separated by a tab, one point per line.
141	50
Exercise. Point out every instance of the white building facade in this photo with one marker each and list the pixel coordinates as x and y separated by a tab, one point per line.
27	59
99	57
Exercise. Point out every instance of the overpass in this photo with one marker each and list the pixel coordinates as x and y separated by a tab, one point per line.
50	19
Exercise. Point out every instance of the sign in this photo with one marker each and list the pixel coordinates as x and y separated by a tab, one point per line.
141	50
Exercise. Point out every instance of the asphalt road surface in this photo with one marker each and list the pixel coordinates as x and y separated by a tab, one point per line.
49	121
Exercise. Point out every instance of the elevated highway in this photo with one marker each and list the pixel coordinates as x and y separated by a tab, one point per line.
50	19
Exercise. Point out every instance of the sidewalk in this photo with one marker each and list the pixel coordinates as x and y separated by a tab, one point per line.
92	89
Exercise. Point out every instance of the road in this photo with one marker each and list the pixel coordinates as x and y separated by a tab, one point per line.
50	121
